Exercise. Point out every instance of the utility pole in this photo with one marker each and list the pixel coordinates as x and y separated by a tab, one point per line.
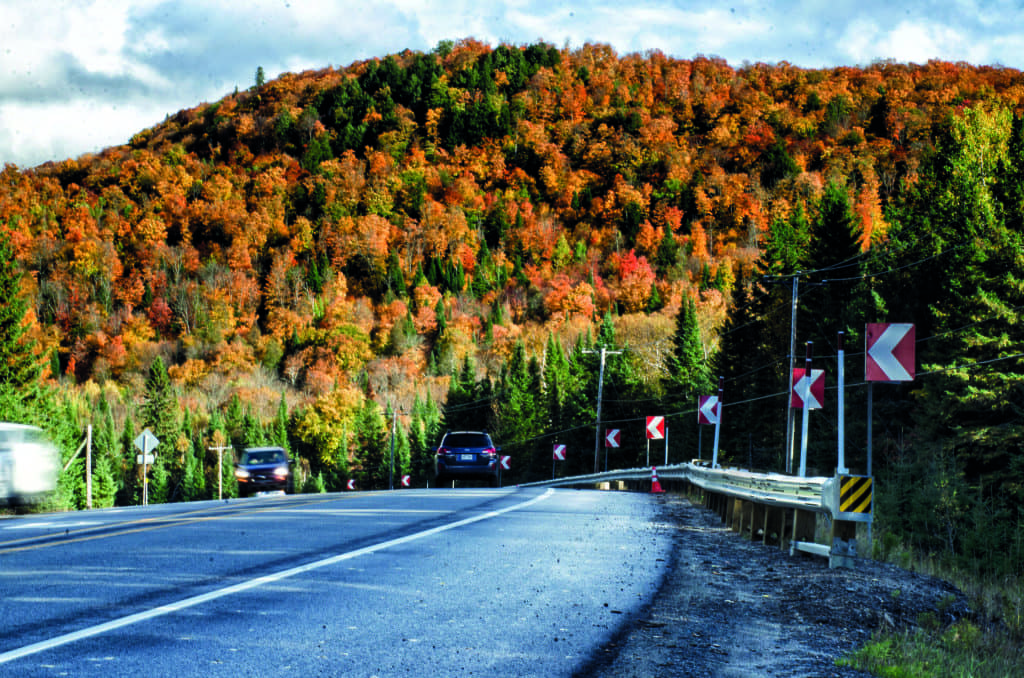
88	467
391	466
219	449
789	378
600	388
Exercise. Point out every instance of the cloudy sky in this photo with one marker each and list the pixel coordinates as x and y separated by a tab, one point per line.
77	76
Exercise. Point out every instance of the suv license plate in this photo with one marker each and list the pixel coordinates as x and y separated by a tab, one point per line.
467	457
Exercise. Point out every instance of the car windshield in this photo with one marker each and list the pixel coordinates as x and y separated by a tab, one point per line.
466	440
263	457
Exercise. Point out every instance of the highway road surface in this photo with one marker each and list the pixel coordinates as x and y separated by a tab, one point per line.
482	582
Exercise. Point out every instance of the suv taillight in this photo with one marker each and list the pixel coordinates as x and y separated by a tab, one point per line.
490	452
442	451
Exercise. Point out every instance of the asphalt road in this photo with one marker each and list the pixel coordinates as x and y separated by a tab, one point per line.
480	582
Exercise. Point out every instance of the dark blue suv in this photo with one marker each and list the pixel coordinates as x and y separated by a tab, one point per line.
263	469
466	454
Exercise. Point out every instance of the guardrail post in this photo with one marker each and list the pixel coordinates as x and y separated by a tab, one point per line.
803	528
844	544
758	520
774	525
738	506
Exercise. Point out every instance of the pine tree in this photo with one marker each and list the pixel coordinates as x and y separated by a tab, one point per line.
159	415
517	406
965	294
373	446
835	300
668	250
19	366
463	405
107	471
689	364
130	490
279	436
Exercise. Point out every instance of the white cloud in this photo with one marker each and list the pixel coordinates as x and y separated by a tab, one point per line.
95	72
918	42
72	128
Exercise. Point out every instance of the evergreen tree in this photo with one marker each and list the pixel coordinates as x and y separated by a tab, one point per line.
192	486
372	443
689	365
836	299
668	250
964	293
752	358
107	471
19	366
279	435
424	429
159	415
558	383
517	407
403	455
130	490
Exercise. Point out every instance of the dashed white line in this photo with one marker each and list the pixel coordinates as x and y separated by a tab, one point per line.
162	610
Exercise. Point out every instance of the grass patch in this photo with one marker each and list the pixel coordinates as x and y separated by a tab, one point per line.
991	645
961	650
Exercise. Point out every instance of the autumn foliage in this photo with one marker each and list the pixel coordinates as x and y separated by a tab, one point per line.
361	230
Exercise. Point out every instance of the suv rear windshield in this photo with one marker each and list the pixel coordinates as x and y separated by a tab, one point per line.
467	440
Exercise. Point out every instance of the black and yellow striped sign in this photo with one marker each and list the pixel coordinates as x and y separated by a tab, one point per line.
855	494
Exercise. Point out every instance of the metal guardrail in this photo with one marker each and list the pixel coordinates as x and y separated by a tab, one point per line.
764	488
842	501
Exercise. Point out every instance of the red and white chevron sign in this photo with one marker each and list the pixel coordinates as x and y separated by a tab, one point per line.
559	453
655	428
707	409
406	480
812	390
506	462
611	437
352	484
890	352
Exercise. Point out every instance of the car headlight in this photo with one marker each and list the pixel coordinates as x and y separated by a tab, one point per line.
241	473
281	472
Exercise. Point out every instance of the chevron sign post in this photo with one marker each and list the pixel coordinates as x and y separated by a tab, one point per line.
888	357
707	409
559	452
611	437
889	354
656	431
812	390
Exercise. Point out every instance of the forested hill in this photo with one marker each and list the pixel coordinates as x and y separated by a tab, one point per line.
359	235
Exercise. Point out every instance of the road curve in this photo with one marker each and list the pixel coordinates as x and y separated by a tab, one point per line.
435	582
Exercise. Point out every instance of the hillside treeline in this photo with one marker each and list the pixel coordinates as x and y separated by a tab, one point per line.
448	239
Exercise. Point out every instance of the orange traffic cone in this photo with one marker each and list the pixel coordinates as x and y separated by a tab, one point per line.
655	484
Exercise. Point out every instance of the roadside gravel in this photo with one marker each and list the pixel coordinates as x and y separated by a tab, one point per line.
731	607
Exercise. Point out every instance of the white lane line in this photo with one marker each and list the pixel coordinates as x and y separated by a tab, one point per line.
54	524
146	615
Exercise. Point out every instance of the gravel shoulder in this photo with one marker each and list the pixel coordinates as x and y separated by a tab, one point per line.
731	607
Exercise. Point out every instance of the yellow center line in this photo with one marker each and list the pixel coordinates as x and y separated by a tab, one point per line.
121	529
